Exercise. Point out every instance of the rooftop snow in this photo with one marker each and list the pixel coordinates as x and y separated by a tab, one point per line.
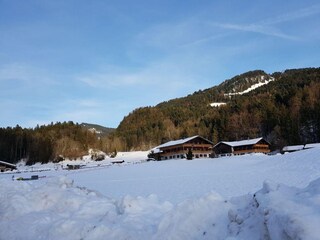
293	148
241	143
176	142
9	164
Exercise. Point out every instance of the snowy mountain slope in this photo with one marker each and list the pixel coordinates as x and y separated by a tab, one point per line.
225	198
260	83
99	130
245	82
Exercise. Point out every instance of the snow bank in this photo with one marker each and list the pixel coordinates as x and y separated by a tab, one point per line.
60	210
279	212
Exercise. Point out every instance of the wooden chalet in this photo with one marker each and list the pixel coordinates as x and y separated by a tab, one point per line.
200	147
5	166
257	145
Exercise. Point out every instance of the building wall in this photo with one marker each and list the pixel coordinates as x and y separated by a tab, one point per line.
180	151
5	168
226	150
222	149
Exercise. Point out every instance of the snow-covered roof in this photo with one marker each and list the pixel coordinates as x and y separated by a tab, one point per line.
241	143
177	142
293	148
8	164
312	145
300	147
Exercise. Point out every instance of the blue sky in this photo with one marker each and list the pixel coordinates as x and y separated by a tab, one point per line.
96	61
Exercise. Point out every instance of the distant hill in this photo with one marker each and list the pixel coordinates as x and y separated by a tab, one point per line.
98	129
53	142
283	107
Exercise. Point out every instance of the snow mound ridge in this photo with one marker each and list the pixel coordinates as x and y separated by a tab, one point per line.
60	210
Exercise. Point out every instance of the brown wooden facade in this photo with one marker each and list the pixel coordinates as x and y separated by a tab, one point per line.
258	145
200	147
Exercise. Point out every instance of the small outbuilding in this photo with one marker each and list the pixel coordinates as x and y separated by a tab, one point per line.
73	166
5	166
295	148
257	145
289	149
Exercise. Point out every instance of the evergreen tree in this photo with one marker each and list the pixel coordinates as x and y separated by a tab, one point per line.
189	154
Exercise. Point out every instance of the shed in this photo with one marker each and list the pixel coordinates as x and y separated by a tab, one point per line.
73	166
5	166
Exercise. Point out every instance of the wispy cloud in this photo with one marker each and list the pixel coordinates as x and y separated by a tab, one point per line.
25	73
270	26
295	15
109	80
167	73
193	31
256	28
174	35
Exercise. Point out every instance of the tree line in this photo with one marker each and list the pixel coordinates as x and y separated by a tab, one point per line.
51	142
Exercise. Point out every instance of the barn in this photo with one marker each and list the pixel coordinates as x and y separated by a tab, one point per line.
257	145
177	149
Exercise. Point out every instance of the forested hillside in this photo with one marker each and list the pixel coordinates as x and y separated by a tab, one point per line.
284	111
49	143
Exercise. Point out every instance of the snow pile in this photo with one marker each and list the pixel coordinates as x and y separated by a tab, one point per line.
204	218
279	212
60	210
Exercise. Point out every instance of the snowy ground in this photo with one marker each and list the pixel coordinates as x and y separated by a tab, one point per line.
244	197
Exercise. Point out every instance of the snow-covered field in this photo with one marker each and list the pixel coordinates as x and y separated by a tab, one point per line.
243	197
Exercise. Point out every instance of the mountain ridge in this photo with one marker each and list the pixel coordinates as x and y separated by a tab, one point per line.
265	111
